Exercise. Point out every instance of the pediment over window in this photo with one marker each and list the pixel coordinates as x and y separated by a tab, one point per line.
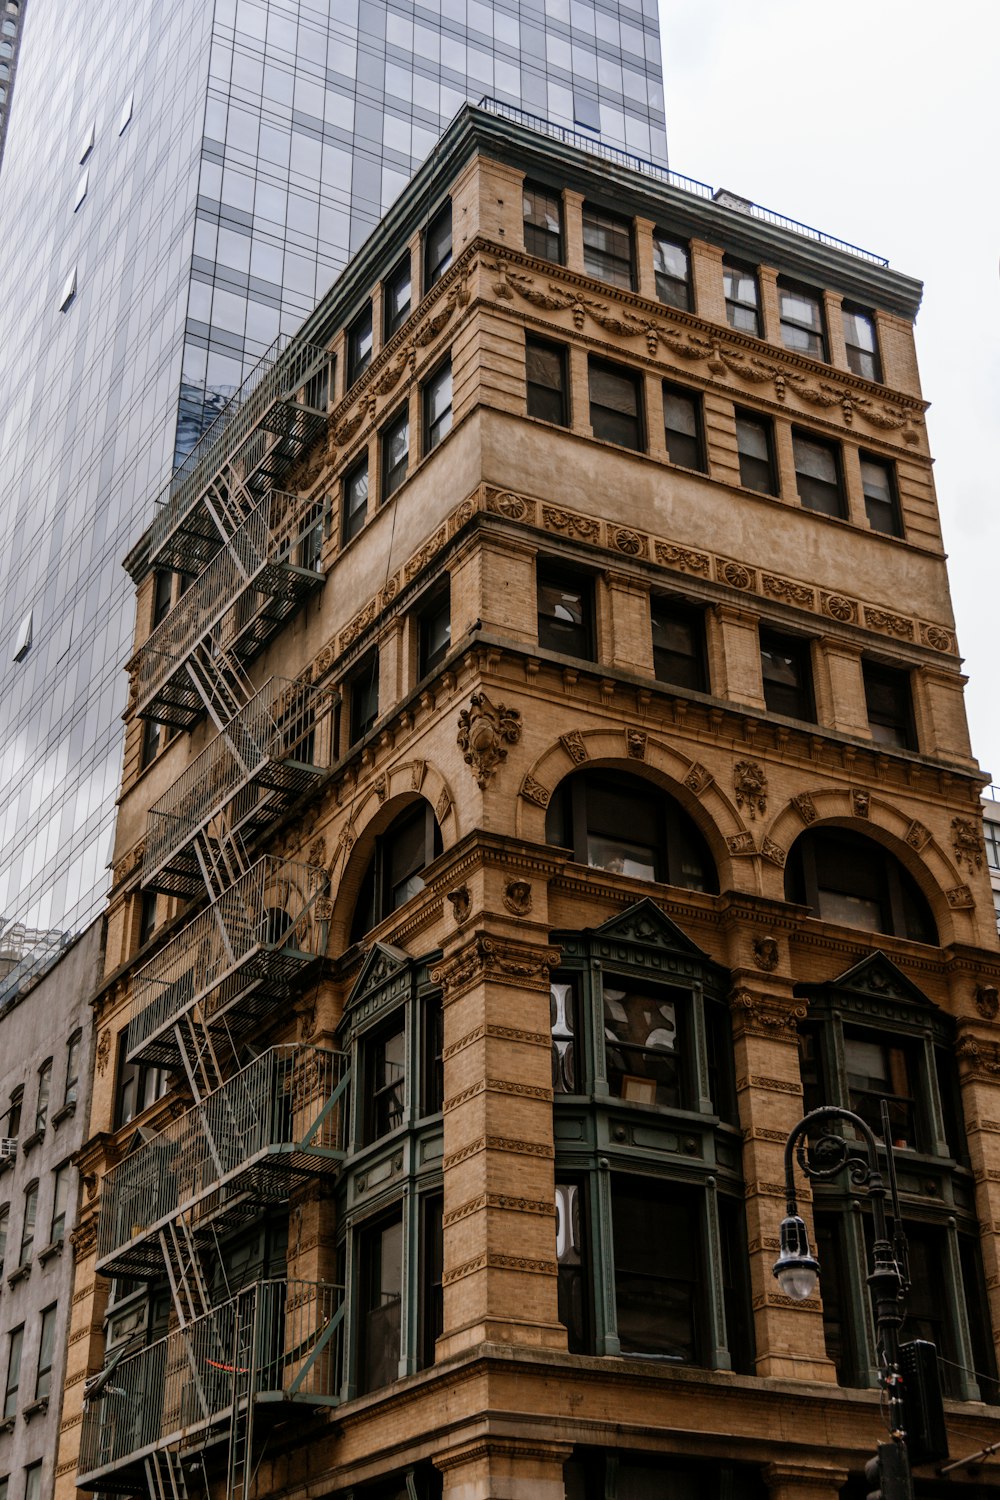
648	926
874	987
384	971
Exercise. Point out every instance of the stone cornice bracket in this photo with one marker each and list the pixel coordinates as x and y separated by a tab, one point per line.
493	959
485	729
766	1015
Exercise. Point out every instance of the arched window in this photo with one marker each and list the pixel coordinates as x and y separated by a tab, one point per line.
394	870
846	877
620	823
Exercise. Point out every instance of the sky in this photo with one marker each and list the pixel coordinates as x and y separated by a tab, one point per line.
879	122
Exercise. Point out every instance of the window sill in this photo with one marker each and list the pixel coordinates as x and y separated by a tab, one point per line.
66	1113
7	1425
31	1141
52	1249
21	1274
35	1408
6	1162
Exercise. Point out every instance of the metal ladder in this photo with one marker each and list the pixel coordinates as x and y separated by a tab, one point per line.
165	1475
239	1470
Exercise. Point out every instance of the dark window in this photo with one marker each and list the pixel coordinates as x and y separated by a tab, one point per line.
355	501
4	1230
878	1069
14	1113
565	613
432	1277
437	407
542	223
33	1473
547	384
386	1069
60	1203
394	870
802	326
363	692
672	268
359	345
395	453
397	294
817	472
682	428
786	666
28	1224
658	1260
679	643
570	1254
890	705
15	1343
153	740
437	246
381	1257
616	404
755	445
44	1090
432	1083
742	297
162	597
138	1086
46	1352
644	1044
617	822
991	833
434	631
881	501
846	877
607	247
147	917
861	343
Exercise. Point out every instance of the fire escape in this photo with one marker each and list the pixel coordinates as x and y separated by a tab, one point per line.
257	1128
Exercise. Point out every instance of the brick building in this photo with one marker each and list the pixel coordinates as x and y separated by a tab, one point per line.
566	781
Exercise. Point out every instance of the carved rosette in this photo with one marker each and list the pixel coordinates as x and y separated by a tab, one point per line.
485	729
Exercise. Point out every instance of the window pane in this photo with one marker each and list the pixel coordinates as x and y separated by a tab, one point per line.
542	223
678	645
672	270
682	428
359	345
395	454
355	501
382	1260
614	406
754	448
396	298
437	246
818	475
546	379
437	407
642	1047
787	675
657	1257
607	247
564	613
570	1255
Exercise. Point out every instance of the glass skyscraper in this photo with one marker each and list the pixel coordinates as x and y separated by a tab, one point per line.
181	185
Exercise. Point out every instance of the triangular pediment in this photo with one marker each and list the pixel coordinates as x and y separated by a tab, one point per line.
383	964
876	978
647	925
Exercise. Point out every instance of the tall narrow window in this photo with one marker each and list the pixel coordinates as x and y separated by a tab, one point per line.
787	671
355	502
60	1203
14	1112
861	343
645	1046
755	446
818	474
542	223
434	632
359	345
44	1090
679	644
15	1343
33	1481
672	268
890	705
802	325
397	296
363	691
565	612
72	1067
147	917
607	247
437	246
432	1083
386	1082
381	1257
572	1289
431	1277
616	404
162	596
682	428
878	481
742	297
658	1260
46	1352
4	1228
153	739
395	453
437	407
545	365
28	1224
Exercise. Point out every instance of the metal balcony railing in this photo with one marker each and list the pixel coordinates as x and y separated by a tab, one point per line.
234	606
283	1116
276	1342
266	756
247	946
263	428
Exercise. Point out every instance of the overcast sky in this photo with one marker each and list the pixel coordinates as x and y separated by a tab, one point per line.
877	121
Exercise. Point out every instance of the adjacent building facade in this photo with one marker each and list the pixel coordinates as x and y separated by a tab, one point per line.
566	783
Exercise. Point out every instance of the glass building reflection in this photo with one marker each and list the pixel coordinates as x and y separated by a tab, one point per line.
180	192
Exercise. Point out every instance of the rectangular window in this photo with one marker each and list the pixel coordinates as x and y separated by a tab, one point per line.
15	1343
432	1084
818	474
33	1481
861	343
147	917
72	1067
437	246
4	1228
60	1203
672	268
395	453
397	297
643	1045
355	502
991	833
878	1069
28	1224
386	1082
657	1248
153	739
570	1252
802	325
679	644
46	1352
437	407
381	1258
565	613
359	345
542	223
14	1112
742	297
162	597
316	391
434	633
878	480
890	705
616	404
548	387
786	666
137	1088
607	247
564	1018
363	693
44	1090
682	427
432	1277
755	446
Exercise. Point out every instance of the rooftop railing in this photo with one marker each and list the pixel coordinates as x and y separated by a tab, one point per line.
248	945
272	749
594	146
278	1341
283	1115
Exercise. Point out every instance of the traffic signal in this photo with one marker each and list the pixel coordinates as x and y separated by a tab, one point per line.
923	1408
888	1473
